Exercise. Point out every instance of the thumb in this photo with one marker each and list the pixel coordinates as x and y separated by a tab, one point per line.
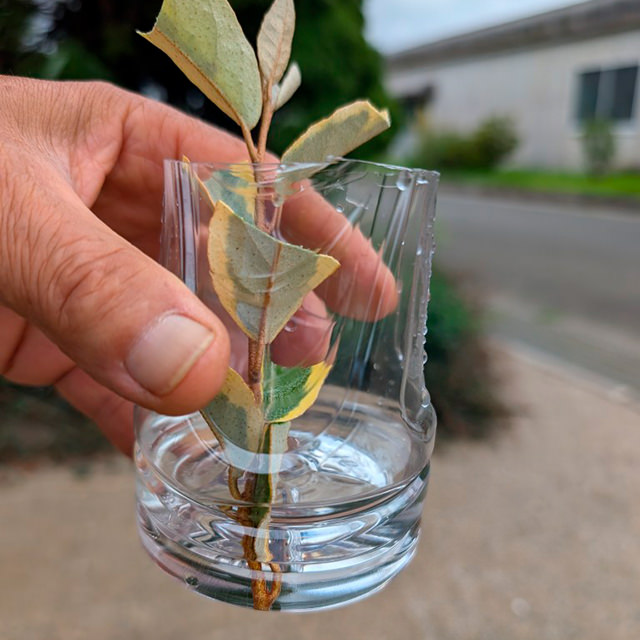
120	316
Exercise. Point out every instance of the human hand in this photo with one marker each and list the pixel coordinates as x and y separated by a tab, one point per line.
83	304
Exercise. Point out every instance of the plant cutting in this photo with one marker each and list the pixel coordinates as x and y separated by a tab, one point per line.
260	280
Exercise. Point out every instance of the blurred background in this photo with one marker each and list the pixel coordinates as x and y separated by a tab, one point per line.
530	112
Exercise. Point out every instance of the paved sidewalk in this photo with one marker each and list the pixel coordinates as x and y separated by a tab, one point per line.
535	535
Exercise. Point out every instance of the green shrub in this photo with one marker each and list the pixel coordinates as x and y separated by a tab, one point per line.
598	146
458	372
484	148
493	141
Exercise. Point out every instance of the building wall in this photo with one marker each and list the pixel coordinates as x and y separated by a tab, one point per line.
537	87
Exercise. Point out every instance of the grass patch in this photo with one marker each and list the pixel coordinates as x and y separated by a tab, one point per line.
615	185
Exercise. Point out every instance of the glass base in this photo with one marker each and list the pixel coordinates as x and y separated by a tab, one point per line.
326	561
316	586
344	519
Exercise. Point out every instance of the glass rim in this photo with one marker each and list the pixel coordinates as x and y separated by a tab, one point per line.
330	162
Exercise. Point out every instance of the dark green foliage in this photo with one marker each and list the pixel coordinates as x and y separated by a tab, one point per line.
82	39
337	64
599	146
484	148
458	372
16	56
494	140
90	39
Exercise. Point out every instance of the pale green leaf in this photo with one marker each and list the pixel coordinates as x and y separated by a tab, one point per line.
235	420
255	274
289	85
289	391
340	133
205	39
235	187
274	40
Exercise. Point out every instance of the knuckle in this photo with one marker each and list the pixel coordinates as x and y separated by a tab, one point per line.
17	206
86	282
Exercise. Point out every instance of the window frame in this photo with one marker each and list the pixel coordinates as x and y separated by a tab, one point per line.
605	99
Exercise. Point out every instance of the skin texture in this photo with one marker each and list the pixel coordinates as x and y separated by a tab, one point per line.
80	199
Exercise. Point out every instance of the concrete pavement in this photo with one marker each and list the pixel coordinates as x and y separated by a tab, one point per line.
532	536
560	278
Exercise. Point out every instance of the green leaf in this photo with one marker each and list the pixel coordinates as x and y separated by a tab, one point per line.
289	85
274	40
289	391
235	420
205	39
235	187
255	274
335	136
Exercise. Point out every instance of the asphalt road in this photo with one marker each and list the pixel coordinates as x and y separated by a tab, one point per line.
562	280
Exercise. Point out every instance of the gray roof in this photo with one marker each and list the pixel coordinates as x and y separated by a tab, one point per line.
577	22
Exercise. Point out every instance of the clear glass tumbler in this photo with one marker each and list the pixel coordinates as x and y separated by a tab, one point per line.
347	485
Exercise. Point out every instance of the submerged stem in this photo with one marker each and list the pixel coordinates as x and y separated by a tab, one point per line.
258	488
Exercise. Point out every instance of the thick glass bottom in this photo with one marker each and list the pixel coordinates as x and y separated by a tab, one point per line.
343	521
323	563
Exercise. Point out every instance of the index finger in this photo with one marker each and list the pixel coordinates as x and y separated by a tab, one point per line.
363	288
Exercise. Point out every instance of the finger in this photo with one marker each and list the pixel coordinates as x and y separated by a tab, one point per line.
131	197
12	330
308	219
306	338
363	287
34	360
121	317
112	414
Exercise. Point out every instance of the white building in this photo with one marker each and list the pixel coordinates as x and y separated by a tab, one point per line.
550	73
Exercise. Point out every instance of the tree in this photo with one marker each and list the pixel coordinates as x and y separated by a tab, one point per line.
96	39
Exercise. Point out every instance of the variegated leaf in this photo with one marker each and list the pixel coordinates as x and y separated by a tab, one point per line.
205	39
274	40
235	187
289	391
235	420
335	136
255	274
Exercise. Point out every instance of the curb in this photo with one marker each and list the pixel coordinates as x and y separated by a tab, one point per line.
606	388
627	204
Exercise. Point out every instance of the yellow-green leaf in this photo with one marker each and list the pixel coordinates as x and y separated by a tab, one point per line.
274	40
289	85
205	39
235	420
236	187
255	274
335	136
289	391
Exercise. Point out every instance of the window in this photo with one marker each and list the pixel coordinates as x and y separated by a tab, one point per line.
607	93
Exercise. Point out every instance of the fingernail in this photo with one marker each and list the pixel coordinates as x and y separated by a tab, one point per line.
165	353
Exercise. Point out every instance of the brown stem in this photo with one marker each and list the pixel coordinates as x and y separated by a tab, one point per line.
275	221
264	592
256	361
267	116
251	147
